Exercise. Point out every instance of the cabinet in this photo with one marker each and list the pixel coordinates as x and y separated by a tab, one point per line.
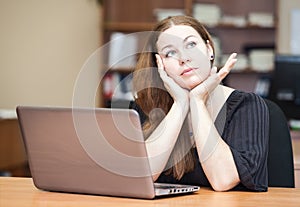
138	15
13	157
296	151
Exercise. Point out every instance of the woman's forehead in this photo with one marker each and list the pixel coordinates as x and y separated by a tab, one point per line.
179	29
176	33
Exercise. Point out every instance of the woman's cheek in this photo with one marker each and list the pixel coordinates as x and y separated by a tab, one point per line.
169	68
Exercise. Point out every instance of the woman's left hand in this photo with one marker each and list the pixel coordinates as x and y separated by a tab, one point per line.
208	85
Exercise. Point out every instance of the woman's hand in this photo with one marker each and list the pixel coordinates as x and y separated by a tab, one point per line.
207	86
179	94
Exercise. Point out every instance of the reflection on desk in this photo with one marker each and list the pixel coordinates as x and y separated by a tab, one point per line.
21	192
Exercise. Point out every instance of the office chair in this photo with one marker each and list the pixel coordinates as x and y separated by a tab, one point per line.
280	158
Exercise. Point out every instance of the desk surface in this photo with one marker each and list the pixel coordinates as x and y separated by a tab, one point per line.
16	192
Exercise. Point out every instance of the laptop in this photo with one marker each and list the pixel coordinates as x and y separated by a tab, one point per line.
90	151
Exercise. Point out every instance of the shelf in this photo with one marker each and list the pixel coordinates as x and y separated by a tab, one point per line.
247	27
250	71
147	26
128	26
133	16
244	71
122	70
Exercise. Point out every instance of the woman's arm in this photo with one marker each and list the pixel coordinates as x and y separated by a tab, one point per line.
214	154
162	140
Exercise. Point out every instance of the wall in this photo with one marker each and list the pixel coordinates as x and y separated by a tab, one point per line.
284	24
43	45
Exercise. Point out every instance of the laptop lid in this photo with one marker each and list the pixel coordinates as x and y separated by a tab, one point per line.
87	150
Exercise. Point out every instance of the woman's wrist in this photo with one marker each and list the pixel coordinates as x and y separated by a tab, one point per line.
182	106
197	102
197	98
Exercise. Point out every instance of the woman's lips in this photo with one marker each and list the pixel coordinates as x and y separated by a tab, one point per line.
187	71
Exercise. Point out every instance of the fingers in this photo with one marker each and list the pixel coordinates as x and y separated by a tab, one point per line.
159	62
214	70
231	61
228	66
160	66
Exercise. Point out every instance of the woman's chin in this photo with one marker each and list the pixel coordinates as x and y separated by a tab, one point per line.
190	86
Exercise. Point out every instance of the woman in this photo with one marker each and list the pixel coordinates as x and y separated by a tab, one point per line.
197	130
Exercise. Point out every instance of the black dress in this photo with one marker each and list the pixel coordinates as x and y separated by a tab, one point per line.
244	121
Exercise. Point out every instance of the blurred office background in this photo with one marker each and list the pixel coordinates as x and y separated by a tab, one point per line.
44	45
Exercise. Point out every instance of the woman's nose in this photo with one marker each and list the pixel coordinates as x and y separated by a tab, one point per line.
184	59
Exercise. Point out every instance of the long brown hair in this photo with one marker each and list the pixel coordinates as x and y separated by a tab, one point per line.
154	99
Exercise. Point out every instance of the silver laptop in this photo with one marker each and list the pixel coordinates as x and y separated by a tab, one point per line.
90	151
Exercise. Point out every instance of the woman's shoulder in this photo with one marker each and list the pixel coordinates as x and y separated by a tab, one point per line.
238	96
239	99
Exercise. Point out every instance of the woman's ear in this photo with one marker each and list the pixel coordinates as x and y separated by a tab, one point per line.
210	50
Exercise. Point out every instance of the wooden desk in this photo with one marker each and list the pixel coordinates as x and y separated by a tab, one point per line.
16	192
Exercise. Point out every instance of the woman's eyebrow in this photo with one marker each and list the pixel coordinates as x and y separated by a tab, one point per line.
165	47
184	40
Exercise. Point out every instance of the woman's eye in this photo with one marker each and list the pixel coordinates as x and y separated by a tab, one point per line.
171	53
191	45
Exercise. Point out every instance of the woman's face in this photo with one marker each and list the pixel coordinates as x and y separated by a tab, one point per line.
185	55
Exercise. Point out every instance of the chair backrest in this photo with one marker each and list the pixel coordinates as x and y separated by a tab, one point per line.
280	158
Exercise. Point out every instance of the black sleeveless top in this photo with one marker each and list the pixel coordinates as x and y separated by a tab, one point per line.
244	121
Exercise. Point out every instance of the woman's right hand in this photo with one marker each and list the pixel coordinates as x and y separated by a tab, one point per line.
202	91
179	94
